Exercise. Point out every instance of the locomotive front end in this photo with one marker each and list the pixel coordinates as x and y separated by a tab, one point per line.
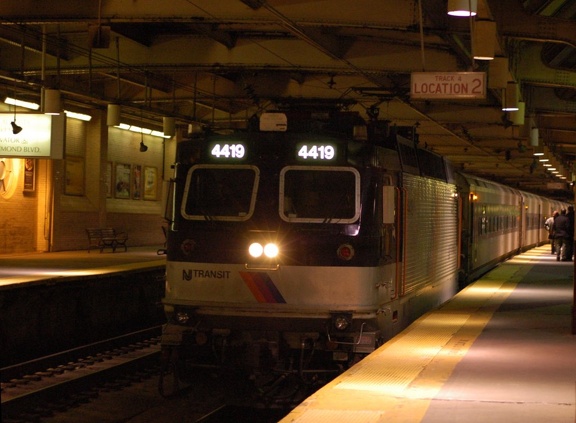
266	268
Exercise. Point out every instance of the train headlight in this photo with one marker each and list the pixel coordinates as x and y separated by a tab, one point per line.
255	249
270	250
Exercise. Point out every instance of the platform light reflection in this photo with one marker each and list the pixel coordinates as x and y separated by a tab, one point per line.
536	257
75	272
483	290
392	369
39	272
545	295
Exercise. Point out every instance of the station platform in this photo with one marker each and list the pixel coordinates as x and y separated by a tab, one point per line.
502	350
52	302
29	268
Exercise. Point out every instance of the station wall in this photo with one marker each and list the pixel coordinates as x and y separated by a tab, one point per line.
104	181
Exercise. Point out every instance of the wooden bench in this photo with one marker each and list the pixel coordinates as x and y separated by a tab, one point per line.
106	238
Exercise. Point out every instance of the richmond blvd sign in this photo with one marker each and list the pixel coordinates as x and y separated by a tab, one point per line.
42	136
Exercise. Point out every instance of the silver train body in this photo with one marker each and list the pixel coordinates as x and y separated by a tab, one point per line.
498	222
362	238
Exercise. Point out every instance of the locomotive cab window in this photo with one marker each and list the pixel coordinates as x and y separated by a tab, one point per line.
220	192
319	194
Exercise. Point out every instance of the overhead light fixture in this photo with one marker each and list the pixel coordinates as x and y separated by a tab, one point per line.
511	96
538	151
517	117
79	116
21	103
137	129
113	115
143	147
534	137
169	126
51	101
462	8
484	40
15	128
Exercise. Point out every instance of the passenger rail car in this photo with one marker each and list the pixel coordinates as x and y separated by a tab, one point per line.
498	223
293	254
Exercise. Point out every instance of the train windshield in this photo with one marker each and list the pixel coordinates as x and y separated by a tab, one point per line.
220	192
319	194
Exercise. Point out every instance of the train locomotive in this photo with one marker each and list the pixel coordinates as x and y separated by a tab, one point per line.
298	246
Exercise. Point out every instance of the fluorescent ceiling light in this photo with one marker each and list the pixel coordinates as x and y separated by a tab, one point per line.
139	130
21	103
79	116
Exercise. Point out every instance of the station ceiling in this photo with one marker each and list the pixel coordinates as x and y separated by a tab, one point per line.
219	62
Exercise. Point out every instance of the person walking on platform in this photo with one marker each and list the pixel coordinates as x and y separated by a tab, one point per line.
549	225
561	230
570	242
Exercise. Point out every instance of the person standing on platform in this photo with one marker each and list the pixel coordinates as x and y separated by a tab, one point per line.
549	225
570	243
561	230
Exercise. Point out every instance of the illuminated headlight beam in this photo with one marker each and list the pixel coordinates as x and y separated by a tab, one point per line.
256	250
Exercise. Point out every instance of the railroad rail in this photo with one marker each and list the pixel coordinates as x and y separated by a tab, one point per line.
37	387
40	389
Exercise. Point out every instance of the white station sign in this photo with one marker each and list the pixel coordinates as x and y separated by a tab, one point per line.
443	85
40	136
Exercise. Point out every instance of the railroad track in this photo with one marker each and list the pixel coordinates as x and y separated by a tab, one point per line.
34	389
126	367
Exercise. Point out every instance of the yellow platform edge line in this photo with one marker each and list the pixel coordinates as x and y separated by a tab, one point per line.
399	380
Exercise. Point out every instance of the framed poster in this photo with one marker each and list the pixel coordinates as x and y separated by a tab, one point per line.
136	182
29	174
108	179
150	182
74	181
122	180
